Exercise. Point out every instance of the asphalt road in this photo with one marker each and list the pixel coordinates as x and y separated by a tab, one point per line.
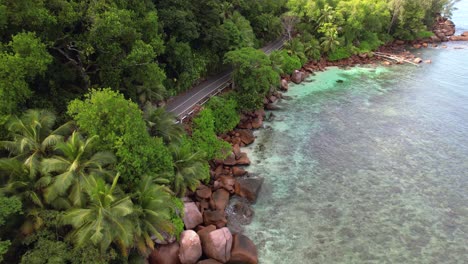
182	104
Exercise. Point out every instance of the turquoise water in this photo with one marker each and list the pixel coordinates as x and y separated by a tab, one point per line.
370	170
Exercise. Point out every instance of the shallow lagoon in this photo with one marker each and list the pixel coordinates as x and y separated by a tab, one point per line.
370	170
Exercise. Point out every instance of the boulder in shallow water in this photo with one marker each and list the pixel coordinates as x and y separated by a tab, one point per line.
257	122
297	77
246	136
190	247
459	38
243	251
239	213
243	159
435	39
249	187
238	171
284	85
236	150
272	107
230	160
417	60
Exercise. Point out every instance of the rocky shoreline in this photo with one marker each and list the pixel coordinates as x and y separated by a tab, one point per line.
215	213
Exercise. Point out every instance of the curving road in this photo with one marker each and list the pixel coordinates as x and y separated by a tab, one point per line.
182	105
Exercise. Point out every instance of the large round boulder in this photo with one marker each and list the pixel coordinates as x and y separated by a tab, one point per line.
243	251
192	216
203	192
243	160
217	218
246	136
238	171
226	182
190	247
249	187
297	77
284	85
217	244
220	199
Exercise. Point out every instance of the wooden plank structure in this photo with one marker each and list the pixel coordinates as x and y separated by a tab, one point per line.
395	58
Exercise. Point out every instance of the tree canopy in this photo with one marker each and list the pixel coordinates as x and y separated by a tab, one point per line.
92	174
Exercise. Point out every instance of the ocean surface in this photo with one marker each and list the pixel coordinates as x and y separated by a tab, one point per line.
370	169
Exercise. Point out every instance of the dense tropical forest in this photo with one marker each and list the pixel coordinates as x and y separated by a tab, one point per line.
92	170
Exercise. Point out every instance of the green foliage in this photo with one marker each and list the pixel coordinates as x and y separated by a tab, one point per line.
339	54
108	115
161	124
224	113
204	137
4	245
285	63
8	206
190	166
120	127
184	65
48	251
152	212
74	162
146	156
296	49
45	248
371	43
424	34
32	139
311	47
52	52
253	76
24	58
105	220
177	215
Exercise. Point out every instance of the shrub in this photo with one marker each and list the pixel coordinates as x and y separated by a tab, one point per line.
285	63
224	113
424	34
204	136
339	54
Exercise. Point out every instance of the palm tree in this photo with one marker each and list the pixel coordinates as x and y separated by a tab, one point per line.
162	124
106	220
75	161
190	167
226	10
17	181
152	210
330	39
33	137
327	15
151	93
